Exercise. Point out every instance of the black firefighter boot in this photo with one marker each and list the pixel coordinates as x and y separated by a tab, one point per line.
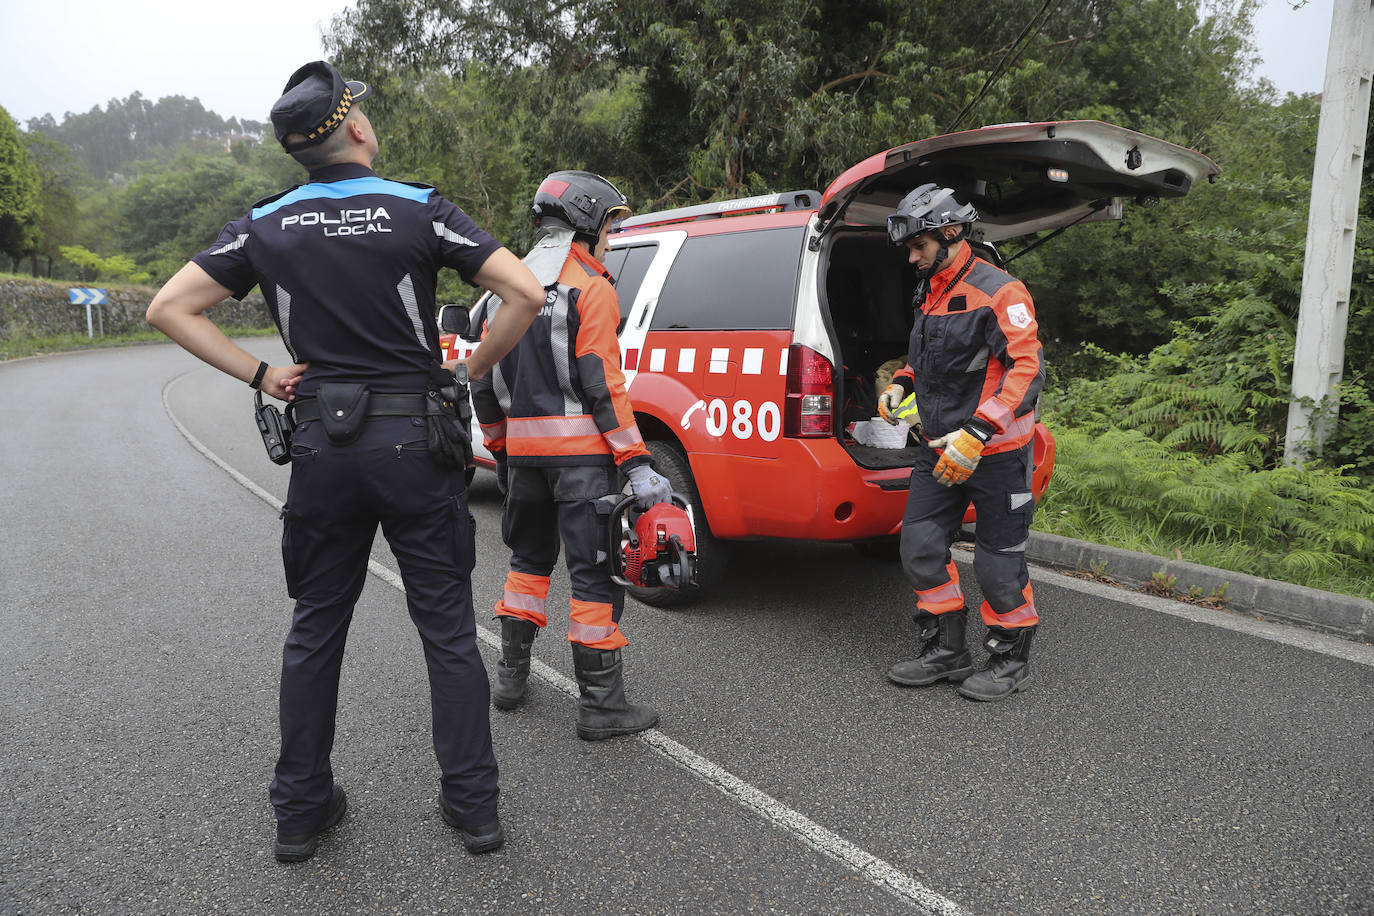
1008	668
943	655
603	712
513	669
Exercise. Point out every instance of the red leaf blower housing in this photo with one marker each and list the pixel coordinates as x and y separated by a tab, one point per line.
655	548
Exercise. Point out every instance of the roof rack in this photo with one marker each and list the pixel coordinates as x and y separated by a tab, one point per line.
785	202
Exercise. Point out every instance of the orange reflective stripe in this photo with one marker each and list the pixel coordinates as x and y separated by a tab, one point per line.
593	625
626	438
942	599
560	445
494	435
998	414
555	436
1024	616
1017	429
524	597
550	427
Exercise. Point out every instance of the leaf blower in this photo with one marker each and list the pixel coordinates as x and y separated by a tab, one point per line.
655	548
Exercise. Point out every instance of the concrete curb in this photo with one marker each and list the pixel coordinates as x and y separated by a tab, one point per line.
1343	615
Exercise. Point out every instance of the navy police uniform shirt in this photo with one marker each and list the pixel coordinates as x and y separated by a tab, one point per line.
348	264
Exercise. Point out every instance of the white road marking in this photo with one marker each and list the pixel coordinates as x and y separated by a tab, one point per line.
873	869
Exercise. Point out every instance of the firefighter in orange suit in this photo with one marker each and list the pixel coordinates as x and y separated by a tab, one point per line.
556	416
976	367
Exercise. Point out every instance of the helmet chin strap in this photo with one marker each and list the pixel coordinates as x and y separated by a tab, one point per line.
945	246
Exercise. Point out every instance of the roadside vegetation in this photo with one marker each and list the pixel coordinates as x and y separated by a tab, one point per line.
1169	334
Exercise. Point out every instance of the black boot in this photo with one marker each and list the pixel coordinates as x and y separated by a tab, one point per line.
513	670
603	711
943	655
1008	669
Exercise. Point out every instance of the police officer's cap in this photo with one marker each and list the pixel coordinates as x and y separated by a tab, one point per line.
314	103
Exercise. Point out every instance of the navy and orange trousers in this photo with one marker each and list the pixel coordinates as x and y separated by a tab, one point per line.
1000	490
567	504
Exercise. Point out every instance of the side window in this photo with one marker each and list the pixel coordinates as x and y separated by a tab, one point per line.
629	276
736	280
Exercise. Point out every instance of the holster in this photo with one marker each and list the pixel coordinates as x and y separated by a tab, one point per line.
343	410
448	421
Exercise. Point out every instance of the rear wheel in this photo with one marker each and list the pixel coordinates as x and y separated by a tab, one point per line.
711	554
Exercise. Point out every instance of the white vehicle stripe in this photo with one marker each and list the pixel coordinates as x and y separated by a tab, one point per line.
752	364
720	360
686	359
656	360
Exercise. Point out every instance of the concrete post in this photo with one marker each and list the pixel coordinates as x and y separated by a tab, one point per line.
1330	255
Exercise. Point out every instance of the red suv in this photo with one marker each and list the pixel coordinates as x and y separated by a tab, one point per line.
752	329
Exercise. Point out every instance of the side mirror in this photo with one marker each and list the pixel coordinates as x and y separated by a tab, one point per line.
453	319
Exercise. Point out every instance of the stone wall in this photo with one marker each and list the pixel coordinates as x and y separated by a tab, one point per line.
34	308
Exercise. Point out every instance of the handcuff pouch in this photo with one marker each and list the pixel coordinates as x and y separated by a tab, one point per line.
343	410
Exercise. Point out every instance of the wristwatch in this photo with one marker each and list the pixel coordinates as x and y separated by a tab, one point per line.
460	372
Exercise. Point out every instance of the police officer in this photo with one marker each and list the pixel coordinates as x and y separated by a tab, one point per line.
976	367
347	263
556	415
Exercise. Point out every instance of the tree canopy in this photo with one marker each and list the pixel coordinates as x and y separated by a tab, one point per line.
19	191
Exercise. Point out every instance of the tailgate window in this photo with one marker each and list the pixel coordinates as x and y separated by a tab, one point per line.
732	281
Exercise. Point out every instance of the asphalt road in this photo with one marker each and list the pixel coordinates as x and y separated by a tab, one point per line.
1159	765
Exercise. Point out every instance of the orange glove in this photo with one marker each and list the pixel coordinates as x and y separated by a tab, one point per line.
889	401
963	450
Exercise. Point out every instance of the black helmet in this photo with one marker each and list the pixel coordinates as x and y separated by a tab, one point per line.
928	207
580	201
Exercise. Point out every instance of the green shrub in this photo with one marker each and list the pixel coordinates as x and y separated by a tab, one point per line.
1311	526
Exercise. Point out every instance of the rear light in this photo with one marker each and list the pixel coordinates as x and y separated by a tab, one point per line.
810	394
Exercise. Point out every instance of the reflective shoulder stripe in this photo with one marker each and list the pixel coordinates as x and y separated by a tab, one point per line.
444	232
235	245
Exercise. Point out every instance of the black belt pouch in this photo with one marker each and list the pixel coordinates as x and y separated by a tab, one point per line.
343	410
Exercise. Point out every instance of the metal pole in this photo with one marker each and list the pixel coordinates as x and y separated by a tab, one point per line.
90	329
1332	216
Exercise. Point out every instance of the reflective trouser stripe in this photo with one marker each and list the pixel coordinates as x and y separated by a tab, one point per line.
942	598
593	625
1024	616
524	597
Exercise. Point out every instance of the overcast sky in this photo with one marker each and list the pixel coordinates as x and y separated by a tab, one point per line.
59	56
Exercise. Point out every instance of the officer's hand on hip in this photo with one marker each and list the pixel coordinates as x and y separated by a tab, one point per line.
889	401
963	450
648	486
281	382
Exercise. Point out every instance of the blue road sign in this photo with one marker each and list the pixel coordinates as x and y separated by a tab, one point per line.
86	296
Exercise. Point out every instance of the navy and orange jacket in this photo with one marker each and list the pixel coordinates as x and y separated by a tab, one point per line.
558	397
974	352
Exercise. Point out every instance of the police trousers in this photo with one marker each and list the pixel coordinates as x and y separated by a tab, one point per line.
543	506
338	496
1000	490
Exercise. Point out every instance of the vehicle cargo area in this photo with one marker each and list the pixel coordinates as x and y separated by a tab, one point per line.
868	290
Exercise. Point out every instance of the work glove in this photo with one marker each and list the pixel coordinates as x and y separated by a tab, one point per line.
889	402
963	450
649	487
502	472
907	411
